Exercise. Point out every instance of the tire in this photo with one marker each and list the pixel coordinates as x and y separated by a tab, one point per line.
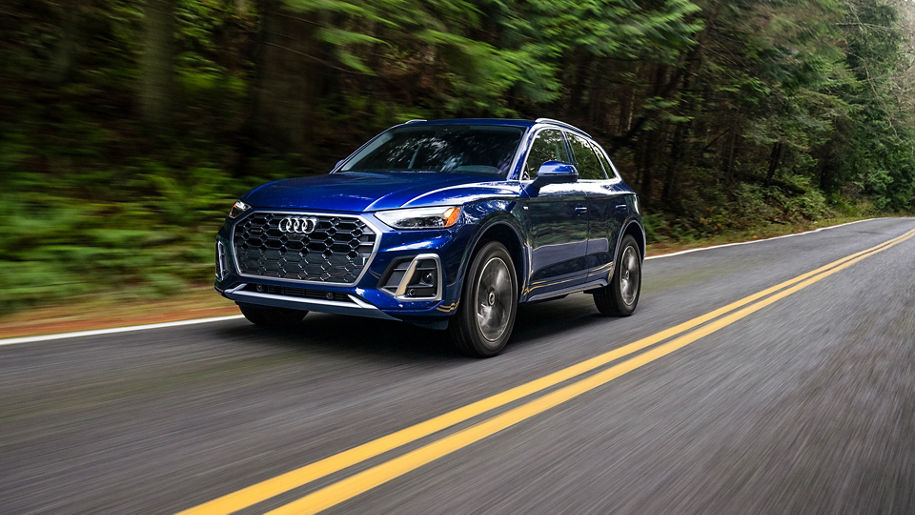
265	316
621	296
489	303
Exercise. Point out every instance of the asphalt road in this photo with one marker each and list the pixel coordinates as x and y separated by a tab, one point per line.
806	404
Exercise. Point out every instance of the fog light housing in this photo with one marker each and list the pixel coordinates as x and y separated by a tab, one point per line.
221	263
419	278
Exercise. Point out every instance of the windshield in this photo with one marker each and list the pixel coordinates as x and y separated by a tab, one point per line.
440	148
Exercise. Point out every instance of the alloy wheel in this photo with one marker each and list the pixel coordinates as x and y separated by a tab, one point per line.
493	299
630	275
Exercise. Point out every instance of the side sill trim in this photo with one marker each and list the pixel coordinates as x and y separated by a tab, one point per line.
566	291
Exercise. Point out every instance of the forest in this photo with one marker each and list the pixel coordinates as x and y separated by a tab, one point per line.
127	128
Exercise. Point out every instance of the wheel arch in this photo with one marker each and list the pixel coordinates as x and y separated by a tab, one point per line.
505	230
633	228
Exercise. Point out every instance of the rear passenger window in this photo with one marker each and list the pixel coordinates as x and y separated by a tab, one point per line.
585	159
548	146
608	168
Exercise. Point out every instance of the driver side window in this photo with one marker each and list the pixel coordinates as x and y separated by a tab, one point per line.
548	146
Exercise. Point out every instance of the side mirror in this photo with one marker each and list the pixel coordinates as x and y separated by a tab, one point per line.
555	172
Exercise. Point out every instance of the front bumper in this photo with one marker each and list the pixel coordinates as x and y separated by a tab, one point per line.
354	306
378	293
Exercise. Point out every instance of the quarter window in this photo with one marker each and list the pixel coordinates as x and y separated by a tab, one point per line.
547	146
585	159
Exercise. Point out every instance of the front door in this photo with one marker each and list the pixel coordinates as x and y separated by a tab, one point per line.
558	222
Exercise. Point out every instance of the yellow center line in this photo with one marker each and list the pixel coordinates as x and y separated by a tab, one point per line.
356	484
272	487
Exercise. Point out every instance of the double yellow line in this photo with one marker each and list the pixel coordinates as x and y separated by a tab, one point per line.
335	493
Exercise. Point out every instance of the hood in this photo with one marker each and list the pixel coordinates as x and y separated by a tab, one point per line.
366	191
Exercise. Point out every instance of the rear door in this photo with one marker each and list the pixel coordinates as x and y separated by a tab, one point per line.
606	205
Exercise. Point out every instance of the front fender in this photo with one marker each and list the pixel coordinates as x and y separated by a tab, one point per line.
495	214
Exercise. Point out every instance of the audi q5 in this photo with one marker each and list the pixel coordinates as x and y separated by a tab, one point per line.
447	224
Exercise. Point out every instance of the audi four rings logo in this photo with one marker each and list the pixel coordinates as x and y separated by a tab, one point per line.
298	225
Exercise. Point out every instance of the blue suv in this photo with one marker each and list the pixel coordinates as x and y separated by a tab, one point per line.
449	224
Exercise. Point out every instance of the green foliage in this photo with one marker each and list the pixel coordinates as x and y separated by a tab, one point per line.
157	237
725	115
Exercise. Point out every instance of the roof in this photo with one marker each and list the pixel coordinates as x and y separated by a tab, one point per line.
509	122
476	121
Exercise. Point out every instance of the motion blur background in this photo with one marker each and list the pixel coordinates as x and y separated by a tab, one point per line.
127	128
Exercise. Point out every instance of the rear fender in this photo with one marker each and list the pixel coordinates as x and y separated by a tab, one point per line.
623	232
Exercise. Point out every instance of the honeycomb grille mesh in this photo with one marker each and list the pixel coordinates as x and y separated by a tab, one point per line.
336	250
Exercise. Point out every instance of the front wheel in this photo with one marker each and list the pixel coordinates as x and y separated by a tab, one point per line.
489	303
266	316
620	297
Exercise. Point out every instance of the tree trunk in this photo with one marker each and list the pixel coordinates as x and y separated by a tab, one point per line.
64	57
579	72
677	146
645	161
774	159
157	62
286	89
625	110
727	161
669	192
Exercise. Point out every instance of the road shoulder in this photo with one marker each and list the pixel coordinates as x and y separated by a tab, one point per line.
201	302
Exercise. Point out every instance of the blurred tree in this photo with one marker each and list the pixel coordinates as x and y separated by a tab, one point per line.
126	126
157	62
64	55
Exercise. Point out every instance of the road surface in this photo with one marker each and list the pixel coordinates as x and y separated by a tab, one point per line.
799	398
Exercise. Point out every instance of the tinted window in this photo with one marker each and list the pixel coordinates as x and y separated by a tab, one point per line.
608	168
585	159
549	146
442	148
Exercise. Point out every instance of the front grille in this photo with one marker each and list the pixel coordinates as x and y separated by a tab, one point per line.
336	251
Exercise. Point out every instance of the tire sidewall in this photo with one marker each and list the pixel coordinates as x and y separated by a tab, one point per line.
616	290
481	345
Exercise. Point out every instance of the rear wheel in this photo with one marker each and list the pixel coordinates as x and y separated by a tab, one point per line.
621	296
489	303
266	316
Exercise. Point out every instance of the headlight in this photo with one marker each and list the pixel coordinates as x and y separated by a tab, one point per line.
421	218
238	208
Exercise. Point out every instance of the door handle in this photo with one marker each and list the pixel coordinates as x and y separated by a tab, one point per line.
581	210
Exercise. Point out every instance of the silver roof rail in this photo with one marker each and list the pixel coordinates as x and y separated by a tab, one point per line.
416	120
563	124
